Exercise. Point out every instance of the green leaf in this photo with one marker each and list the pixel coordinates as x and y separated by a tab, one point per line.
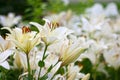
61	71
49	69
44	77
41	63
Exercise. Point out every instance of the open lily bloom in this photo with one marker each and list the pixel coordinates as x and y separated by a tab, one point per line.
10	20
70	51
23	38
50	33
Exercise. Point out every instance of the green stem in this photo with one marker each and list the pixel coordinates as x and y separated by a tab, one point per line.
94	72
52	67
42	60
29	70
94	76
116	74
44	52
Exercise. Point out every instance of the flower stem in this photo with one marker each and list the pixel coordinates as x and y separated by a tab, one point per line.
42	59
52	67
29	70
116	74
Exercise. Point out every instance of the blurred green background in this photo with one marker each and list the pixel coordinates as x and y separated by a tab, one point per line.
35	9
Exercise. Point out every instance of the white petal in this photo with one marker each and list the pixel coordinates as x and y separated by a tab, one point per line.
4	55
5	65
39	27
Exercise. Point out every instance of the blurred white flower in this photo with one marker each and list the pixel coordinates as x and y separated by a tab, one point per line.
94	51
96	9
112	57
10	20
111	10
66	2
92	24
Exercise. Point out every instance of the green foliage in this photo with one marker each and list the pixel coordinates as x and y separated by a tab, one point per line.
61	71
50	68
43	77
87	65
36	10
11	74
55	6
39	8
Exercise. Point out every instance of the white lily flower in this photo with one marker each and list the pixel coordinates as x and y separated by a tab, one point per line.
49	32
70	51
24	38
96	9
111	10
94	51
10	20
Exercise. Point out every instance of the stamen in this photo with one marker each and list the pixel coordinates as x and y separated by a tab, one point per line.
53	25
25	29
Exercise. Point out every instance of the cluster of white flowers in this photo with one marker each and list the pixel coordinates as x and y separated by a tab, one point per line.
45	60
64	39
100	27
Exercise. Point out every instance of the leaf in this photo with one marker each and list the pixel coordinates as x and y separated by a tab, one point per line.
44	77
61	71
49	69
